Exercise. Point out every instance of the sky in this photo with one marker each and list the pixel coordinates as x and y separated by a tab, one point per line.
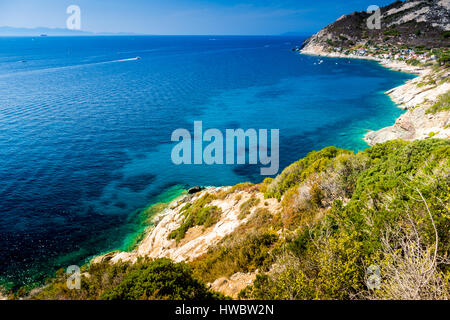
184	17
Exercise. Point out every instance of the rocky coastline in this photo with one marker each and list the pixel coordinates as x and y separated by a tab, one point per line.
198	239
416	98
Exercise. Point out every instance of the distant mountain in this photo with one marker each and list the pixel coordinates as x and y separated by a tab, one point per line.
35	32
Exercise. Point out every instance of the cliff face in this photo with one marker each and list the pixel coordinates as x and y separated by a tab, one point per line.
413	22
418	96
414	37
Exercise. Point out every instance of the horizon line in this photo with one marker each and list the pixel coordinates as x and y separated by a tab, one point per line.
82	33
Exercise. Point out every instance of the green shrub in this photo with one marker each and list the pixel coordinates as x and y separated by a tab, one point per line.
314	162
144	279
443	104
160	280
413	62
329	257
246	255
392	32
444	60
246	206
445	35
197	214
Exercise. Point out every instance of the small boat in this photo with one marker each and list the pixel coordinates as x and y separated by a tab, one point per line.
138	58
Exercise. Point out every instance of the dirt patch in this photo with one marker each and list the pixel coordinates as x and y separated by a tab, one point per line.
234	284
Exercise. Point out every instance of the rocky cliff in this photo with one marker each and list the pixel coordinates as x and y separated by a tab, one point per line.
413	22
419	96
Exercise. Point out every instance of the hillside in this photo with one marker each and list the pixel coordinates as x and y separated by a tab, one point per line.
310	233
418	23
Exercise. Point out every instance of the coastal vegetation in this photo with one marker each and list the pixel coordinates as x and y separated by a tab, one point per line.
442	104
247	205
197	214
146	279
342	215
387	206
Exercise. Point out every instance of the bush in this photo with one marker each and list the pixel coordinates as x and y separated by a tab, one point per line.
444	60
445	35
160	280
314	162
443	104
392	32
396	185
145	279
246	206
197	214
231	256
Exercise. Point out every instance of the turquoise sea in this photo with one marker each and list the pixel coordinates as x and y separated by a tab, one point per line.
85	129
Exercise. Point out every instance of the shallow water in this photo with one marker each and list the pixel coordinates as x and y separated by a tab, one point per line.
85	129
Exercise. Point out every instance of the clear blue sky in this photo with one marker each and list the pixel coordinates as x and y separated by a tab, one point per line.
184	16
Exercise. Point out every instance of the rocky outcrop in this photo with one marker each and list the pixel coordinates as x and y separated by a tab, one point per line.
198	239
195	189
413	125
416	123
413	22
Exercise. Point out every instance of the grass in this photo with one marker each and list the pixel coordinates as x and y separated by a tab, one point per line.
246	206
197	213
443	104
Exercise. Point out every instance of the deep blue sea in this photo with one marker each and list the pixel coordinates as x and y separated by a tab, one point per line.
85	129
